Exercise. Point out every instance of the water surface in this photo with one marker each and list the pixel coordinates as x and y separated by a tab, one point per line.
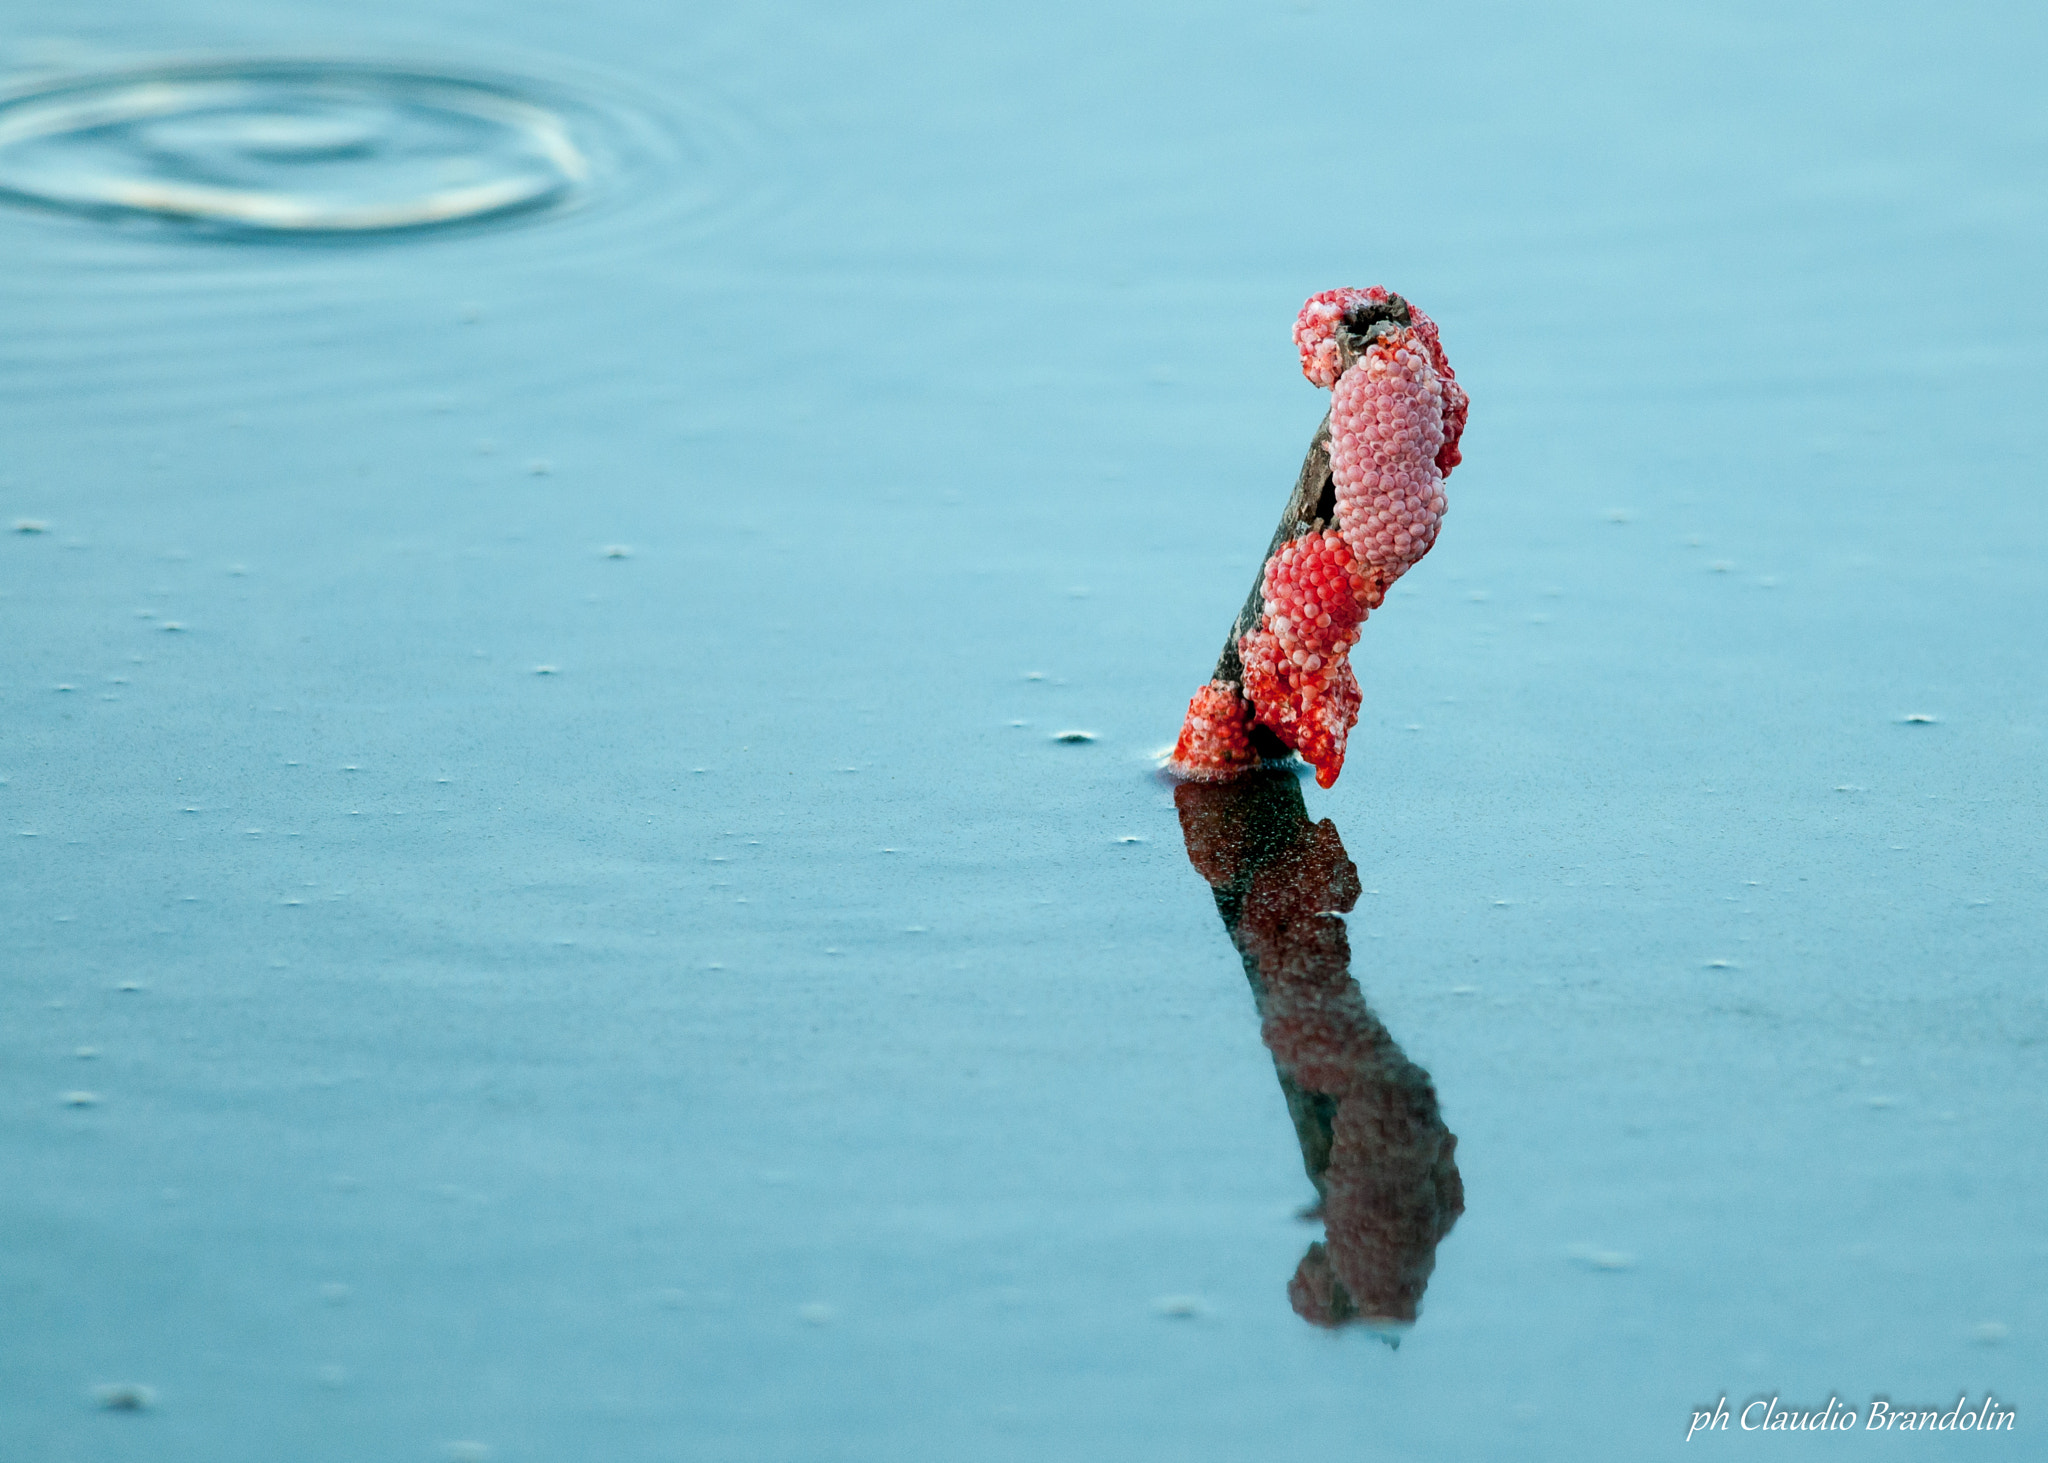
532	797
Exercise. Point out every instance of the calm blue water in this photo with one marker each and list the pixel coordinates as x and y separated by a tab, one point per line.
528	752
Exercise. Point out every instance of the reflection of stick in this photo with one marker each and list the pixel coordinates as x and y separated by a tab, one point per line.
1372	1139
1363	511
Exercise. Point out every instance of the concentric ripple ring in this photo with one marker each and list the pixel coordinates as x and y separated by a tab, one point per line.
289	147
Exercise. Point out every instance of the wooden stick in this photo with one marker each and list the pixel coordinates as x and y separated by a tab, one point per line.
1311	507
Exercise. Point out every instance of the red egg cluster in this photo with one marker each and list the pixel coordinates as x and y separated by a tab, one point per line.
1315	330
1295	666
1456	402
1216	739
1396	418
1386	429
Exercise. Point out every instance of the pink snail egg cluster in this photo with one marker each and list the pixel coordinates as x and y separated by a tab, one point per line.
1386	428
1396	416
1315	330
1456	403
1296	666
1216	739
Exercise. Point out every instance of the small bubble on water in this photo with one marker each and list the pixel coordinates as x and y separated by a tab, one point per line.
129	986
547	670
170	627
1918	718
81	1099
617	551
1073	737
1179	1307
1593	1257
85	1053
1131	838
124	1396
540	467
30	525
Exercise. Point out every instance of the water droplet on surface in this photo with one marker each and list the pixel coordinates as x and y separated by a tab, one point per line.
284	147
124	1396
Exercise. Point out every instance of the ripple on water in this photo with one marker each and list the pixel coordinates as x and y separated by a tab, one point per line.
164	313
287	147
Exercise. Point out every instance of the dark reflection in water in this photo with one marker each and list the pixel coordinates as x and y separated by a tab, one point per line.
1373	1142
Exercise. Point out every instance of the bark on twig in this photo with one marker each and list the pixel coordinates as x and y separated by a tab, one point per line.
1312	505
